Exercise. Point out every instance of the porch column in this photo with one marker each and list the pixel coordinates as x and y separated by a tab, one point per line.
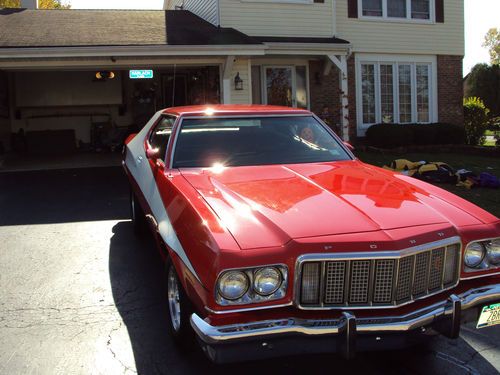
344	93
226	80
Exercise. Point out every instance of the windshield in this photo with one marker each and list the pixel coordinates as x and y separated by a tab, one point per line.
254	141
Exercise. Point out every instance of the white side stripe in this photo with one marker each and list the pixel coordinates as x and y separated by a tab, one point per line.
138	165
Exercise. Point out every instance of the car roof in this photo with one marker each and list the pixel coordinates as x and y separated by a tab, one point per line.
234	109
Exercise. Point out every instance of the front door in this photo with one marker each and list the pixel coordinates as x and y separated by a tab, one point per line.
280	85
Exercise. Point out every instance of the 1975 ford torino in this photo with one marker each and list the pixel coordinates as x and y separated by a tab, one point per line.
278	241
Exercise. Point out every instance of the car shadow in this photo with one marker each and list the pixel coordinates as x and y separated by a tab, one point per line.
63	196
136	276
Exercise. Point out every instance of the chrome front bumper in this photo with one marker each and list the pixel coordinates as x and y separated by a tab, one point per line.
444	317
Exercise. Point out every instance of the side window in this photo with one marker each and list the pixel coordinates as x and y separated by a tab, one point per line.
161	134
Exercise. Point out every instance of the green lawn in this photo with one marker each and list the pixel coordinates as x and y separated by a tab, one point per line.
489	199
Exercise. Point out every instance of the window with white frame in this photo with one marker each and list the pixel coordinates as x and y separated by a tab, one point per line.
395	92
397	9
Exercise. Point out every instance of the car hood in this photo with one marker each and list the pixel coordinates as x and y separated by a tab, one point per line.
264	206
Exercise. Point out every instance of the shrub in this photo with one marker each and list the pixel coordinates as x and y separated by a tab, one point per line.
449	134
389	135
424	134
475	120
395	135
494	124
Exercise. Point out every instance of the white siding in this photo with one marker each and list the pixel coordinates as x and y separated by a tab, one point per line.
268	18
244	96
206	9
405	37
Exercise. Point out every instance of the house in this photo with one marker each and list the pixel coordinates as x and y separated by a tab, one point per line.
369	61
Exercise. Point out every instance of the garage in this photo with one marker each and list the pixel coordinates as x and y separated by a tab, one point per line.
74	84
84	115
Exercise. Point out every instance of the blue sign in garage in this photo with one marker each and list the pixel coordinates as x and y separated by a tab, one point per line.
141	74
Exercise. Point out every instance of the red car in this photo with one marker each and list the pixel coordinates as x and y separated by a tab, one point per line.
278	241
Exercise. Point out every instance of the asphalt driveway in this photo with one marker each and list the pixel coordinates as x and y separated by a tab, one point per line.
79	293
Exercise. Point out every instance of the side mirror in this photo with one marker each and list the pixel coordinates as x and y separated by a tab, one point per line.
153	153
349	146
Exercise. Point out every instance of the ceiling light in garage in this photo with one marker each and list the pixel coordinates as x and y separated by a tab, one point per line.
104	75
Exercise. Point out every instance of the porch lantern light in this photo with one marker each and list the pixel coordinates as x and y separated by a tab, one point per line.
238	82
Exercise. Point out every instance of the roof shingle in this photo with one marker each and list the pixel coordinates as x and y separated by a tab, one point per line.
78	28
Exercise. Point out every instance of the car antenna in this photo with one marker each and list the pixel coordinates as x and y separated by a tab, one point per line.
173	87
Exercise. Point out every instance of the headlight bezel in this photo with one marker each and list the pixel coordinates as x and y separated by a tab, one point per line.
486	263
252	296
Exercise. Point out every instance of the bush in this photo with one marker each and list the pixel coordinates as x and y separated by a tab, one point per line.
475	120
494	124
389	135
424	134
396	135
449	134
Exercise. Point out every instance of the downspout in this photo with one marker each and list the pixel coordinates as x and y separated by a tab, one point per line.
217	4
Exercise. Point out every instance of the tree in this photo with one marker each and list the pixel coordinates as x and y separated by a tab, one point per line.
492	42
42	4
484	82
476	120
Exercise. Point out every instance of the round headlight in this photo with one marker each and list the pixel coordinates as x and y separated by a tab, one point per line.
474	255
493	251
267	280
233	285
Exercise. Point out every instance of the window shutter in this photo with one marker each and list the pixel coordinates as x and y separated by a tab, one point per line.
352	8
440	11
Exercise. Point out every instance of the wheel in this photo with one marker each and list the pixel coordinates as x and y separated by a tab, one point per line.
137	215
179	308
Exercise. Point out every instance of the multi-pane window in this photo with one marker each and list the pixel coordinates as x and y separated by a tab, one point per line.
423	93
368	92
396	8
393	92
386	93
420	9
409	9
404	93
372	8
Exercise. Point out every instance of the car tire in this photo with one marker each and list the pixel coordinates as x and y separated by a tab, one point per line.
137	215
179	309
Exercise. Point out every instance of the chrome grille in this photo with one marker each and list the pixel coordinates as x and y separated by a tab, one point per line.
360	278
383	280
421	273
384	271
404	278
334	279
436	270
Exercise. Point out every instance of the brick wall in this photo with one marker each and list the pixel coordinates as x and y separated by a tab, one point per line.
450	89
324	90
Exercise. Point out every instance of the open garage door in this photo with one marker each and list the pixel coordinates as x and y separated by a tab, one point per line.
4	116
80	118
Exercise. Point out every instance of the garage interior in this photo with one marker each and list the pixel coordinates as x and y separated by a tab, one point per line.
80	118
